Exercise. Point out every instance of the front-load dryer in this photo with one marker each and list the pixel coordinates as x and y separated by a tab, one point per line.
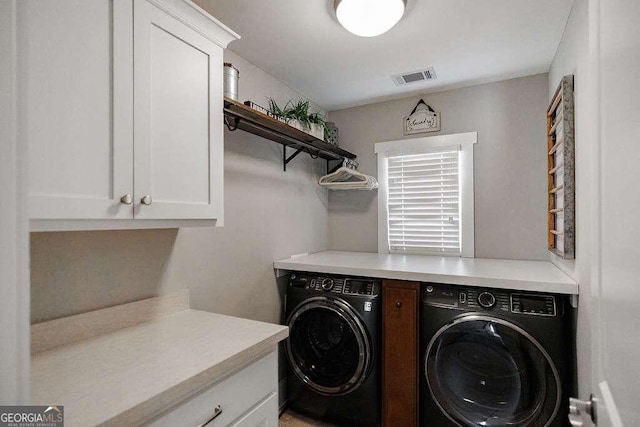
333	348
493	357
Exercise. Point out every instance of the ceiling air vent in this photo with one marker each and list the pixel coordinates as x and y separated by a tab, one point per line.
416	76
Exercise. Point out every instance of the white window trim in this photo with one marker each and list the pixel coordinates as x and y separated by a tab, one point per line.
465	141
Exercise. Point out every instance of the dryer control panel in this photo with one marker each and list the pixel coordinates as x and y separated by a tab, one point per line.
335	284
481	299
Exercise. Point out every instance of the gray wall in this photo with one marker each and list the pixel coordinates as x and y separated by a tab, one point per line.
572	58
269	214
509	162
14	226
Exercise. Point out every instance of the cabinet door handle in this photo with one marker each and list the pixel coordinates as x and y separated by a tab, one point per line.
398	304
216	413
126	199
146	200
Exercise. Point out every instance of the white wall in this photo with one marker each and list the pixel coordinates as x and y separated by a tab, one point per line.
616	289
510	164
572	58
269	214
14	261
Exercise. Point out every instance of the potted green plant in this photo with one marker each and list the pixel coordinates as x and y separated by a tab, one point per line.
297	115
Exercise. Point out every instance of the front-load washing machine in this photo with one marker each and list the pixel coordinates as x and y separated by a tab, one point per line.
334	347
493	357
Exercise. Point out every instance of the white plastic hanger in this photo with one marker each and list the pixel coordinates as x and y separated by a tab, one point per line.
347	178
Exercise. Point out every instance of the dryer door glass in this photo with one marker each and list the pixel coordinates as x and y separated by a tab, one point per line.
488	372
327	347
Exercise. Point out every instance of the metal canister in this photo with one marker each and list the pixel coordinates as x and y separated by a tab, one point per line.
231	76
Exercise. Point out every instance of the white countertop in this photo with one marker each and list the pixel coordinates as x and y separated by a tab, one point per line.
127	376
540	276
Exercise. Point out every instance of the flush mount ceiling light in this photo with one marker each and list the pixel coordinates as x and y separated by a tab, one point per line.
369	18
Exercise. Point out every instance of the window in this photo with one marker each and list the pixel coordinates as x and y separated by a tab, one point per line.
425	202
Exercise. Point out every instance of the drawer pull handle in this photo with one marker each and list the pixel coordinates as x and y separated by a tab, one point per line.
216	412
398	304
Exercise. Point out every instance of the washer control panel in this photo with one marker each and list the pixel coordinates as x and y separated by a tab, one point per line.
335	284
487	299
542	305
327	284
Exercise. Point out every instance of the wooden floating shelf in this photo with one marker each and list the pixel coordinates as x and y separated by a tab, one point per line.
243	117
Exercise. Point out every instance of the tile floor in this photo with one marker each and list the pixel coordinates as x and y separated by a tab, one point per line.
291	419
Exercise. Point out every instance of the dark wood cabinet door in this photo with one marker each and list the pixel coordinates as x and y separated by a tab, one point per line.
400	353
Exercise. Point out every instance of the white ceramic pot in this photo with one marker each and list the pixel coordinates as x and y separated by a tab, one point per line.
315	130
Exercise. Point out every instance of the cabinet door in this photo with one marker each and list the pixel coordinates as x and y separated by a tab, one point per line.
76	104
178	118
400	353
263	415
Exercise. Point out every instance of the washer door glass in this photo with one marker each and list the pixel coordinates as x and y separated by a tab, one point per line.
327	347
488	372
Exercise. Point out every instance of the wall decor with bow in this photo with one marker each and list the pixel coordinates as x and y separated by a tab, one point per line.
422	119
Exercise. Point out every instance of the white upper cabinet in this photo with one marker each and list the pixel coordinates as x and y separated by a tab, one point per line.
178	118
75	69
121	107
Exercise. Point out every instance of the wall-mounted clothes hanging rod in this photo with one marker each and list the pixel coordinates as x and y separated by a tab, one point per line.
243	117
346	163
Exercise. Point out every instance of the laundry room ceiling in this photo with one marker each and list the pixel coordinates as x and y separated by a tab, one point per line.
467	42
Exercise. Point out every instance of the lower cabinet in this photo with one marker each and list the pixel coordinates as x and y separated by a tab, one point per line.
261	415
248	398
400	354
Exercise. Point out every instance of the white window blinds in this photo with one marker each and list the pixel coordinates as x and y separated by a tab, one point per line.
424	202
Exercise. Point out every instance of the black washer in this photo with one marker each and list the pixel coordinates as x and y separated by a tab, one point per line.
333	348
488	364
